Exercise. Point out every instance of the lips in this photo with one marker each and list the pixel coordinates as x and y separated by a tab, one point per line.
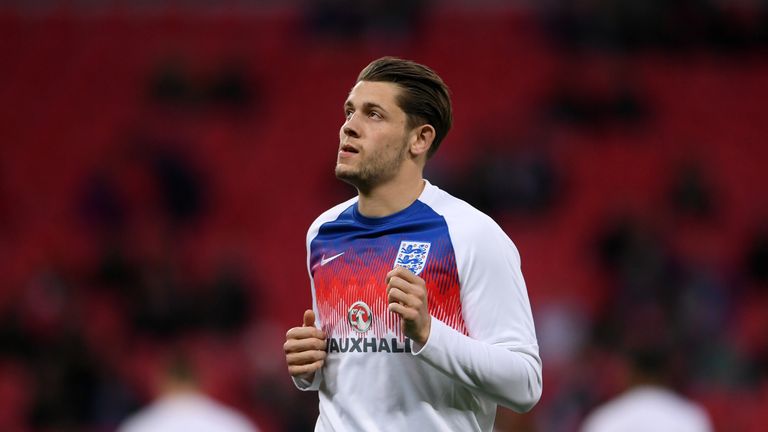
349	149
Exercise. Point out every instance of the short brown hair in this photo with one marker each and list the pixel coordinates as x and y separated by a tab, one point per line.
425	98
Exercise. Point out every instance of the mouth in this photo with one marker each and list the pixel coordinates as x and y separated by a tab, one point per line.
346	148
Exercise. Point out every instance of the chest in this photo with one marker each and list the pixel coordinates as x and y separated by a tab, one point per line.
349	275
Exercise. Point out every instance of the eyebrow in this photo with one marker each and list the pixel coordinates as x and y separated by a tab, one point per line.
367	106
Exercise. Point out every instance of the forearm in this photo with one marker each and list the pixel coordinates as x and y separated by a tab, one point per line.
508	375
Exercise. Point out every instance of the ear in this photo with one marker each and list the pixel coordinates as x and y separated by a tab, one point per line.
421	140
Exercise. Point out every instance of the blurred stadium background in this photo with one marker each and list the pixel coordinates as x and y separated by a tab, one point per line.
160	162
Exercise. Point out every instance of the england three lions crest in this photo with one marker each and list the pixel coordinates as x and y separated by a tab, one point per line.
413	255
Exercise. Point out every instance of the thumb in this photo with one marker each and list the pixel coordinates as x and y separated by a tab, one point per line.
309	318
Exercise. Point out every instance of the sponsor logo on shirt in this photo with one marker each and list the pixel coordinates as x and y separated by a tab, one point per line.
359	317
413	255
365	345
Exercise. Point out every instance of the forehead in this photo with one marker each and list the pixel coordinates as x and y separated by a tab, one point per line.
380	93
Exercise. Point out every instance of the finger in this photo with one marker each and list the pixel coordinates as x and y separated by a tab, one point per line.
417	291
403	285
304	333
403	311
299	345
396	271
305	369
396	295
403	273
309	318
306	357
405	299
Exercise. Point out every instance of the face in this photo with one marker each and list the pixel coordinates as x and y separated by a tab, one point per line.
373	141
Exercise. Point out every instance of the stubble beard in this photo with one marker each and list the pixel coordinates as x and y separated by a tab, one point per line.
373	172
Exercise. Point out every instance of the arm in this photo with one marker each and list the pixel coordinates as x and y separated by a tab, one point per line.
508	375
499	359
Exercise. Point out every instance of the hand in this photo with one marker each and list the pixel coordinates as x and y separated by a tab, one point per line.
305	348
407	297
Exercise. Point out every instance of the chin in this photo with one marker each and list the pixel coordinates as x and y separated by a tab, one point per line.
350	176
345	173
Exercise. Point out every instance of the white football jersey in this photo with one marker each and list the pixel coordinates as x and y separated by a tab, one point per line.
482	349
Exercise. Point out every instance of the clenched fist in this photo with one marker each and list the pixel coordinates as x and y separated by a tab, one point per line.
305	348
407	297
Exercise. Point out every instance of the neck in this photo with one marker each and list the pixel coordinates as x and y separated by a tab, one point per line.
175	388
390	197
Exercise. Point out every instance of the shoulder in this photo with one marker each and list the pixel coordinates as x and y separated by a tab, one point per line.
143	419
328	216
465	222
655	406
184	412
605	416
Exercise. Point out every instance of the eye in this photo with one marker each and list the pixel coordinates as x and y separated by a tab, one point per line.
348	113
374	115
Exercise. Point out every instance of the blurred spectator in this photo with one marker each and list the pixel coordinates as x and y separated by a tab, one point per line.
379	20
113	397
228	87
171	84
691	193
511	177
336	18
635	254
14	341
628	25
165	304
597	90
181	406
562	329
160	307
294	413
180	184
756	256
226	304
115	270
64	391
102	206
648	405
392	18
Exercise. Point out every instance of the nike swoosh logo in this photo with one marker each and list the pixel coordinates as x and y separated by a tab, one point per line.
324	260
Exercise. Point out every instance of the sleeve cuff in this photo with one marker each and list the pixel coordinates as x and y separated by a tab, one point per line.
304	384
437	327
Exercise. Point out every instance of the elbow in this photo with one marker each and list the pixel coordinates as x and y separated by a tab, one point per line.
531	401
526	400
531	398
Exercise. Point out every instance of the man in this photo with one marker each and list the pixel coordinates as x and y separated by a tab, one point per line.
424	319
181	406
649	404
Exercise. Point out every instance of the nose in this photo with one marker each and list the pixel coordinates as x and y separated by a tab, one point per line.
349	128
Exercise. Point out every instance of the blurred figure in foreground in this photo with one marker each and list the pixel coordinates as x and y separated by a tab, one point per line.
649	404
182	407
